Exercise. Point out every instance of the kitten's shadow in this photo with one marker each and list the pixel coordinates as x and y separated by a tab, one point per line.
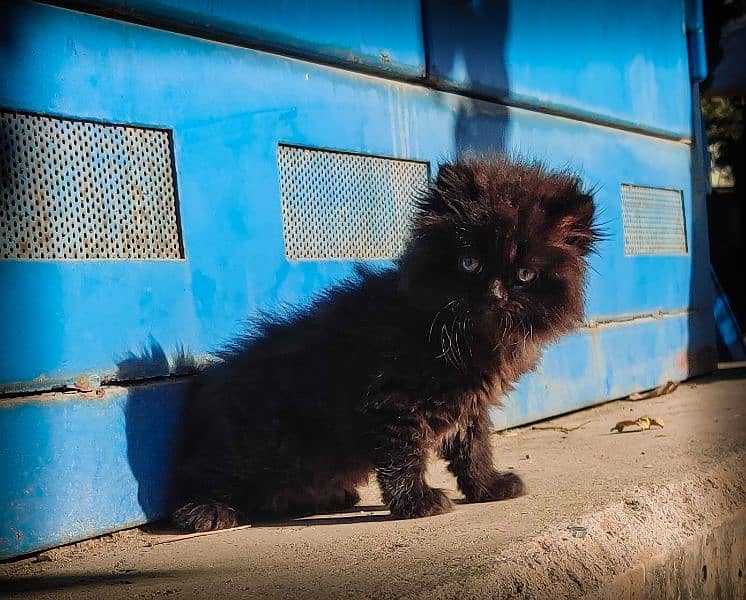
357	514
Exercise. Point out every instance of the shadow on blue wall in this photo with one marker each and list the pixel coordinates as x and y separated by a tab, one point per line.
8	28
701	356
467	38
152	416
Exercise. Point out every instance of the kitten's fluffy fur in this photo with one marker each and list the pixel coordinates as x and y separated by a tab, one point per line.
391	365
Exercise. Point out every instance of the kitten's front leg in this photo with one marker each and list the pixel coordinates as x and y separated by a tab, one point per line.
400	467
469	454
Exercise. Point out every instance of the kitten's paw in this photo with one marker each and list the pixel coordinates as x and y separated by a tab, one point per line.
501	486
432	502
205	517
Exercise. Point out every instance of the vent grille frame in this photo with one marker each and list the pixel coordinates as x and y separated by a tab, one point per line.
653	221
340	205
77	189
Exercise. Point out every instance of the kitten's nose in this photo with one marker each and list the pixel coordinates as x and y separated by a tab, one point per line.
498	291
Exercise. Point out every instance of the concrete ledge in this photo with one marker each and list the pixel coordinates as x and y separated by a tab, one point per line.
664	511
657	540
709	564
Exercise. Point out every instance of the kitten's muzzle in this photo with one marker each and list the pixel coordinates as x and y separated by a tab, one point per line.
498	290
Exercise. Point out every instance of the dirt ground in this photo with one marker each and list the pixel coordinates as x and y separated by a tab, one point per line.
631	494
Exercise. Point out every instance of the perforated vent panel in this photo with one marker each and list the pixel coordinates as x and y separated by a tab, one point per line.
338	205
653	221
80	190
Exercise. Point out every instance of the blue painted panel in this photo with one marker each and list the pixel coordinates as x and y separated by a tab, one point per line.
695	33
66	318
609	361
729	335
382	35
619	60
76	466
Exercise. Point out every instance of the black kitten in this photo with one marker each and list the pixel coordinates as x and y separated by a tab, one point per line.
390	365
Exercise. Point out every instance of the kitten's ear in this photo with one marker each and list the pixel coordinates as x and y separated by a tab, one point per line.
455	184
574	222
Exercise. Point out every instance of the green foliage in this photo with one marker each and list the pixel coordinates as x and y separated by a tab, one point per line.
724	122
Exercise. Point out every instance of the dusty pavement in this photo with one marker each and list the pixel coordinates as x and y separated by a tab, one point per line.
640	497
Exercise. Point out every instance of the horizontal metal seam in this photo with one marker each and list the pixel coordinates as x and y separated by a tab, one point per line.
419	80
632	319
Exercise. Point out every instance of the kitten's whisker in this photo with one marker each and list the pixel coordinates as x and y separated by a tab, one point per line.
455	349
457	346
443	336
525	335
464	315
504	327
432	324
449	353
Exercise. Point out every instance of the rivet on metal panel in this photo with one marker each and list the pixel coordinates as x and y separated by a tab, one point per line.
87	383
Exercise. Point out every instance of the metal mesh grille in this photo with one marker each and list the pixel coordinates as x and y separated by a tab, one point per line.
653	221
77	190
338	205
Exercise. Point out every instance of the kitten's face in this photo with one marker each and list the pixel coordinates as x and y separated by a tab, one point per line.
501	246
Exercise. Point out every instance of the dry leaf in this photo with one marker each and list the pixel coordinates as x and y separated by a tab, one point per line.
644	423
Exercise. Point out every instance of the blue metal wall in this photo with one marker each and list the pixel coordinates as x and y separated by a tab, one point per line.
590	88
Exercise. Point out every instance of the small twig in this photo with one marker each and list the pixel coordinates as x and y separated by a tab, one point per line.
562	429
189	536
661	390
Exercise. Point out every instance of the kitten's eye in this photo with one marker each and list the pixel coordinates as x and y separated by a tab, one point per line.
470	264
526	275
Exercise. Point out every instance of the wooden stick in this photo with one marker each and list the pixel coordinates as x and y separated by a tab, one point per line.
562	429
188	536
